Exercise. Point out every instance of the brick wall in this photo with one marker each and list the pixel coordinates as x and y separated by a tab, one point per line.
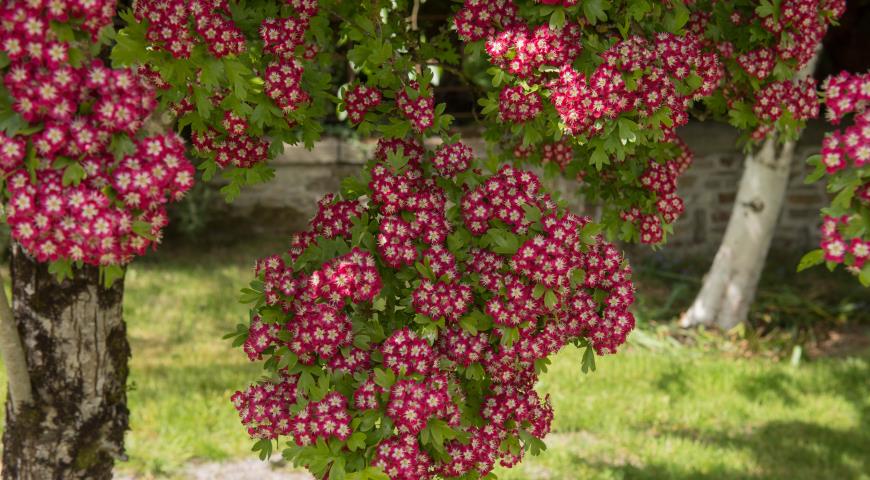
708	188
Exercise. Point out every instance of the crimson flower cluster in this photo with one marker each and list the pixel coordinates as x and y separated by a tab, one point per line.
324	419
178	26
77	200
796	98
792	32
431	314
523	52
641	82
452	159
518	106
656	66
265	407
231	149
169	26
359	100
659	182
661	63
479	19
839	248
417	106
846	153
560	153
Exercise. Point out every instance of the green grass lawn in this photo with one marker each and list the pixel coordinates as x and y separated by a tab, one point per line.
676	413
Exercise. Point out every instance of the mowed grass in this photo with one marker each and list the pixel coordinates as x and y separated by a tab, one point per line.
675	413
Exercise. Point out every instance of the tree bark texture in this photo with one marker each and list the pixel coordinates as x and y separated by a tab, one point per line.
729	287
75	342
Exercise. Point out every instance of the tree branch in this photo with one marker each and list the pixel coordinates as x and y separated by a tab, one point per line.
415	12
20	390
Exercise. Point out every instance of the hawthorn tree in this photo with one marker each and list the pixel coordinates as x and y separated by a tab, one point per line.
769	50
403	332
85	187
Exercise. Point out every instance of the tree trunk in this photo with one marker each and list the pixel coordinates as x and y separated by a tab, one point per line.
75	342
729	287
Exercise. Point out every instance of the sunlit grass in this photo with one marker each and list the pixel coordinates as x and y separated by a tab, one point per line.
688	415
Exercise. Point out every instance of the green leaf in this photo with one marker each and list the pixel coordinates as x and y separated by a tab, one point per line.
557	19
590	231
357	441
380	53
599	158
764	9
509	336
550	299
864	276
64	31
264	448
676	19
844	198
110	274
594	10
588	362
143	229
627	131
818	170
121	146
533	213
212	72
73	174
61	269
238	74
202	100
379	304
475	372
337	471
370	473
385	377
811	259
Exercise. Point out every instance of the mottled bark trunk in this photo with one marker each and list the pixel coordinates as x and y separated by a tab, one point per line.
75	342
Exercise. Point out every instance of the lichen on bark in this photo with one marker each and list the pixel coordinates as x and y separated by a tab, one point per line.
75	341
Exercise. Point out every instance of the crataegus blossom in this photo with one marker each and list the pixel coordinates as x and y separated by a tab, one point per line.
846	157
428	308
79	200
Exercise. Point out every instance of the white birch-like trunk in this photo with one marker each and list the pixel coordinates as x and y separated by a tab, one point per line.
729	287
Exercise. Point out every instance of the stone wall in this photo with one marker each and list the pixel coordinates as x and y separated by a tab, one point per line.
708	188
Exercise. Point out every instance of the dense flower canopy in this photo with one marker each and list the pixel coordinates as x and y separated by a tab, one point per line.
437	322
80	186
845	157
404	332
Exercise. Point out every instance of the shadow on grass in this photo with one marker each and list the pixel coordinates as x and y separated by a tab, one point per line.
673	382
770	384
787	450
797	448
659	472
